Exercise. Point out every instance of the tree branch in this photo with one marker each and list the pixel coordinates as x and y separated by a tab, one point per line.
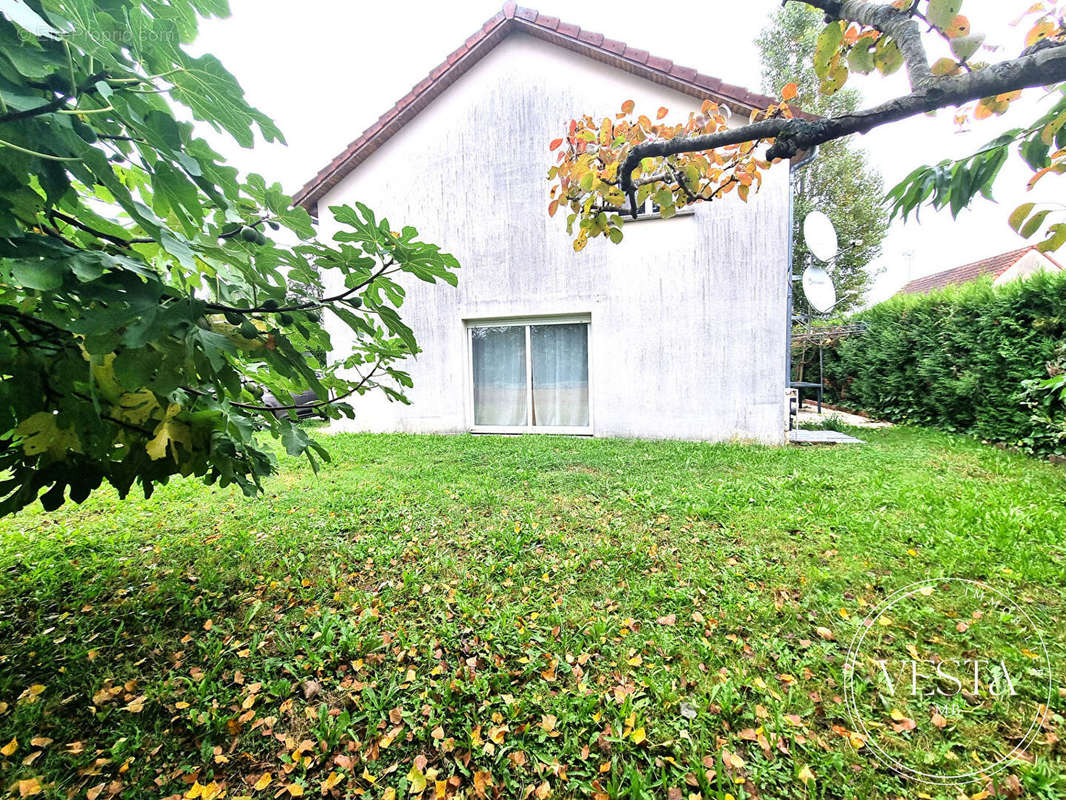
107	237
891	21
272	409
309	305
55	104
792	136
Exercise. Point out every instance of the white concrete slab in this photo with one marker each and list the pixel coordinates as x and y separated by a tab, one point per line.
822	437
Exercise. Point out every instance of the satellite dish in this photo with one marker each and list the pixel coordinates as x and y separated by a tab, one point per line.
820	236
819	289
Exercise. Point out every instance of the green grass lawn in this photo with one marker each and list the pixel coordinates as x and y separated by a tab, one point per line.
493	617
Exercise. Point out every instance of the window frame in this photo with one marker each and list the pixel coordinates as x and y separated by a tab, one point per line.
526	323
648	211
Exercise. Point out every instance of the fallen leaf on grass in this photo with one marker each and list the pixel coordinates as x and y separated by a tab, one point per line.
482	780
30	695
496	734
417	780
331	781
901	722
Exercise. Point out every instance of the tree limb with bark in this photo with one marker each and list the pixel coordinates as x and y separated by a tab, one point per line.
609	168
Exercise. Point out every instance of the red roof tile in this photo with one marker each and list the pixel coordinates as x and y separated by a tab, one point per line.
994	266
514	19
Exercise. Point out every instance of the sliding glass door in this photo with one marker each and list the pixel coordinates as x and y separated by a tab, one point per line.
531	376
500	395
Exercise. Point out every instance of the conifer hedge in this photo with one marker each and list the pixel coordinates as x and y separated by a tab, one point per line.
976	359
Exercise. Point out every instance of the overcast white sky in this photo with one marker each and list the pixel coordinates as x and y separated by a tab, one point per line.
326	69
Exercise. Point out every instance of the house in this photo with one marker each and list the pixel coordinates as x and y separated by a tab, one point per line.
679	332
1003	268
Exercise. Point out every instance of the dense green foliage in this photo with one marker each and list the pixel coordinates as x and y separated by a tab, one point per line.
149	295
975	359
840	181
620	613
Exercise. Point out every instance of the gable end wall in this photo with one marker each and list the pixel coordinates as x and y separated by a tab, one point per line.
687	336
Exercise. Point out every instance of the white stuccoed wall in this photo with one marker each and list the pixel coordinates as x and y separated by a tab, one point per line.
687	336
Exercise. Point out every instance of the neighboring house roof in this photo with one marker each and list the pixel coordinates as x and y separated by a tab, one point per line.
995	266
514	19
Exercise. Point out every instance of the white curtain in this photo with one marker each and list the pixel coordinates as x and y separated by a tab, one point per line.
500	389
560	374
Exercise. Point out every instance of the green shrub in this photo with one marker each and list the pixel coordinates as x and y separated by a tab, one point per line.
973	359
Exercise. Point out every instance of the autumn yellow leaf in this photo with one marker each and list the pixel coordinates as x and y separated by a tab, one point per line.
416	779
295	790
628	106
638	736
732	760
805	775
790	91
332	780
29	787
1041	30
496	734
10	748
482	780
263	782
662	112
958	27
